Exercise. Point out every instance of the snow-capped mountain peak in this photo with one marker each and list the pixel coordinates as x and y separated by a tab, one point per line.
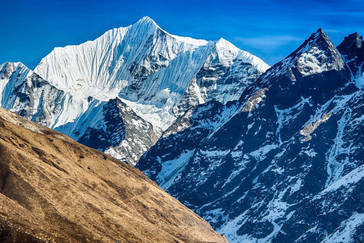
319	55
224	44
318	39
147	20
119	92
146	66
146	25
316	55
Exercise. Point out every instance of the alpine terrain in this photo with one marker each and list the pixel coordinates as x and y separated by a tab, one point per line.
284	163
53	189
264	154
119	92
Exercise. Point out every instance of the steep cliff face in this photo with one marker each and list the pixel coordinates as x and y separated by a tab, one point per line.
53	189
282	164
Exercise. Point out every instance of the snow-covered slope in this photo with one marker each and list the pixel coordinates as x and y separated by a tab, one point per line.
282	164
27	94
151	70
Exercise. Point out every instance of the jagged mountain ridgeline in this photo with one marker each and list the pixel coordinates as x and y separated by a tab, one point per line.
285	162
53	189
152	75
264	154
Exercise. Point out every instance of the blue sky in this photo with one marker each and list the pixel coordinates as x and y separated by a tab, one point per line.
30	29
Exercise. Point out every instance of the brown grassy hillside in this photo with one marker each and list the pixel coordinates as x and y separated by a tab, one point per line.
53	189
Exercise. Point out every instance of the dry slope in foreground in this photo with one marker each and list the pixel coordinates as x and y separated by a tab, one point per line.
53	189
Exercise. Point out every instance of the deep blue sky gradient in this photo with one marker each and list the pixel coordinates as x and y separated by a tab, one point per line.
30	29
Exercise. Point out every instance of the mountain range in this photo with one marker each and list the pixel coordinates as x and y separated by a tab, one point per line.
141	75
284	163
264	154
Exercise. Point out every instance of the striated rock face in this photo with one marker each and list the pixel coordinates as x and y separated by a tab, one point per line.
156	74
282	164
53	189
